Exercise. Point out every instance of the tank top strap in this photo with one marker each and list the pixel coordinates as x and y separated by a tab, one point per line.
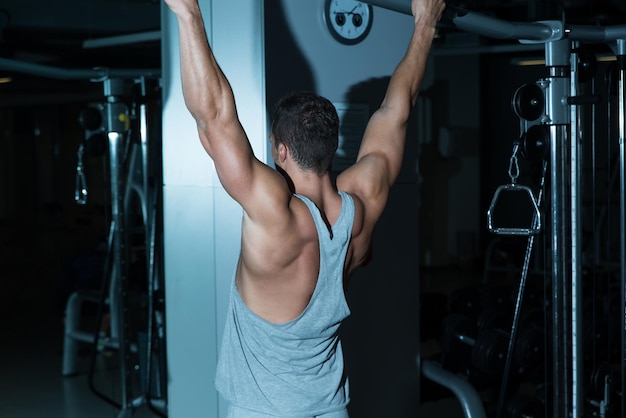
344	221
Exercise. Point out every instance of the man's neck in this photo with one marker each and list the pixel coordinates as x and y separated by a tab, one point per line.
315	187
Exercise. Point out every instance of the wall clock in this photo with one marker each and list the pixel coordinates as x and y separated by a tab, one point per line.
349	21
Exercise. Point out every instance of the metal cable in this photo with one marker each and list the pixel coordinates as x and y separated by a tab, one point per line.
518	302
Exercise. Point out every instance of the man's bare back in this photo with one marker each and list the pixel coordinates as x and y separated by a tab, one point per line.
280	288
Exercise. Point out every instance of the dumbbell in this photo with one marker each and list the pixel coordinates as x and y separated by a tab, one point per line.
489	346
529	346
529	341
487	349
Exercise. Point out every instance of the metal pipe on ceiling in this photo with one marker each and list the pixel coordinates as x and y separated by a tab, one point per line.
596	33
95	74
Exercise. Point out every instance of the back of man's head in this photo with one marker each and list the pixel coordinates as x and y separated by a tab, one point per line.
308	125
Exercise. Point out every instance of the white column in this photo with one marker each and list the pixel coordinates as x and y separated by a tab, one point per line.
201	222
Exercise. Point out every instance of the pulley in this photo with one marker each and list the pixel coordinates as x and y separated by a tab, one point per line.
529	101
535	143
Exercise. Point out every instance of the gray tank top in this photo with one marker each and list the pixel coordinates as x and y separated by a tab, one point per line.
294	369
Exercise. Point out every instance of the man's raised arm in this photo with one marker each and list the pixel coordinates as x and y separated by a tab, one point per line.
209	98
382	149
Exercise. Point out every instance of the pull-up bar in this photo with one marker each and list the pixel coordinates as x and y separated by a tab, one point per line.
482	24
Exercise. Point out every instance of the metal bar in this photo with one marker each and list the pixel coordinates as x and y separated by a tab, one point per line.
481	24
621	60
576	245
558	57
496	28
402	6
466	394
119	261
500	29
145	156
107	278
596	33
122	39
117	125
96	74
560	277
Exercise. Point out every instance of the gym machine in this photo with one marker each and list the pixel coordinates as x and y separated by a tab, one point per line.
551	112
125	126
134	192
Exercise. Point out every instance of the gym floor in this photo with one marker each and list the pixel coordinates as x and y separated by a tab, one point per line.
31	382
32	262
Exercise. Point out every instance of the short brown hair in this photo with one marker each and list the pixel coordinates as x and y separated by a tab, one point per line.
309	125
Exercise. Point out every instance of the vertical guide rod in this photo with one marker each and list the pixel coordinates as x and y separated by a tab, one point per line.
621	117
576	237
557	55
116	122
561	335
119	262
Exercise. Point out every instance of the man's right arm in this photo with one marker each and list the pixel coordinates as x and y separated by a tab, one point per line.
382	148
260	190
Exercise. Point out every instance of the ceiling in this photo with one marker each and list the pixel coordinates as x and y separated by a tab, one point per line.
73	37
61	33
53	32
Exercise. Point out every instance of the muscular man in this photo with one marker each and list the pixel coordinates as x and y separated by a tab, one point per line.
303	234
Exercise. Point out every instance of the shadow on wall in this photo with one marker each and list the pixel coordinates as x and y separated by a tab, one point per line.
370	93
286	68
381	337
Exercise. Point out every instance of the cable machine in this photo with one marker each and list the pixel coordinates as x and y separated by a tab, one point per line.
560	116
134	188
128	127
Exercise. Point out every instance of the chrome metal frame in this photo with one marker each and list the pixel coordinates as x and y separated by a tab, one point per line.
565	160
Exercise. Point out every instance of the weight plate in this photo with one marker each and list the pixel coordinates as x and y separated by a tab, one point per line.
529	347
490	351
453	327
